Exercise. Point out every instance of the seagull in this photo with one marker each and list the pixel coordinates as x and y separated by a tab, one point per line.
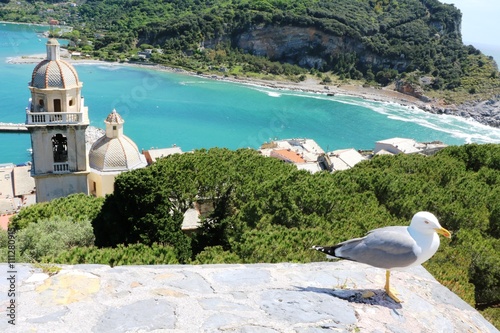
396	247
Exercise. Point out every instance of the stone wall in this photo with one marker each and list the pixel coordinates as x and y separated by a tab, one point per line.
319	297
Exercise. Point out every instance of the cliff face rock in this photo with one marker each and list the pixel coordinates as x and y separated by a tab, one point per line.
411	89
306	46
318	297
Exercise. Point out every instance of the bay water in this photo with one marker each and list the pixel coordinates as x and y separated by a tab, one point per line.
161	109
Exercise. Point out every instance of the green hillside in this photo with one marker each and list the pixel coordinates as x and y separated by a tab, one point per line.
264	210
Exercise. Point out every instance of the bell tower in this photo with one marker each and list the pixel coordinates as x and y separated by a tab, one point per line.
57	119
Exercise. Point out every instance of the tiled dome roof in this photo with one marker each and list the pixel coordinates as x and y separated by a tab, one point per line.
114	118
115	154
54	72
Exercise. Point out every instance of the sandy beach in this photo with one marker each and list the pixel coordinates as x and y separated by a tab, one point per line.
313	85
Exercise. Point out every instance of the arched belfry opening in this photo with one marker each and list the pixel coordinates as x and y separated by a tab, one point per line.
60	148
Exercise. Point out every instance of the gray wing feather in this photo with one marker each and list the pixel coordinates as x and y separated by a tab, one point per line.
387	248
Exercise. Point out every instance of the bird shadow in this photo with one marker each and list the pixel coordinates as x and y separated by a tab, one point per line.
361	296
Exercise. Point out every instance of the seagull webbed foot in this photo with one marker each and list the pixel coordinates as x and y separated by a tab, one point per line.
392	294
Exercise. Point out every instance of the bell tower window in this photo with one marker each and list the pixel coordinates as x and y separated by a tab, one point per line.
40	105
60	148
57	105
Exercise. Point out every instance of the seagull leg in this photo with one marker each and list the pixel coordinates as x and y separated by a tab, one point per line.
387	288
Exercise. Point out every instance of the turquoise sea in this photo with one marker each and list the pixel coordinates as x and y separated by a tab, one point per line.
161	109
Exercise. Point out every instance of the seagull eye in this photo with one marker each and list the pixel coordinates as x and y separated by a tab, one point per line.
426	222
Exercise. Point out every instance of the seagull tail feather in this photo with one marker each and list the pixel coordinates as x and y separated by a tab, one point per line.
328	250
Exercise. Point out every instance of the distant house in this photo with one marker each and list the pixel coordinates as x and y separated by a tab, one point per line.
344	159
17	188
24	184
311	167
287	155
146	54
306	154
155	153
406	146
396	146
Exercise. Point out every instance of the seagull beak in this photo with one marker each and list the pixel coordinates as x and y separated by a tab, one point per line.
443	232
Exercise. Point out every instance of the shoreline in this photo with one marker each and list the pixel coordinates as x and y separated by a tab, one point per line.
35	24
483	112
310	85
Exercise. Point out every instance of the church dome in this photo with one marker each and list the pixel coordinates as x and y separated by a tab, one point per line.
115	151
115	154
54	72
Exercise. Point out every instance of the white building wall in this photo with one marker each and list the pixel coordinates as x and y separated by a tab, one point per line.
100	184
55	186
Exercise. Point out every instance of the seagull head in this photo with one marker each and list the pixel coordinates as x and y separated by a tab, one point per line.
427	223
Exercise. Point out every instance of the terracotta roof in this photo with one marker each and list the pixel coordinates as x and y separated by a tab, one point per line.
287	155
4	221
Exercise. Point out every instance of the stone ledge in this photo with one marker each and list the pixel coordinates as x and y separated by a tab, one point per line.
316	297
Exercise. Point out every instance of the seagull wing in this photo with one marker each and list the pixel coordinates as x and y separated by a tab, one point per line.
388	247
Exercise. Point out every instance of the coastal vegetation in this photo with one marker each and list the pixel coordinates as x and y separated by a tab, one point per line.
371	41
263	210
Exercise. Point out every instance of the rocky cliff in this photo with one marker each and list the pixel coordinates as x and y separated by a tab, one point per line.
318	297
486	112
308	46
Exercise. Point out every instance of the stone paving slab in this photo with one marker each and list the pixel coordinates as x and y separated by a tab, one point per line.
303	298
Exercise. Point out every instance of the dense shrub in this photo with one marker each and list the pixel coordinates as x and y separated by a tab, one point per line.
79	207
135	254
